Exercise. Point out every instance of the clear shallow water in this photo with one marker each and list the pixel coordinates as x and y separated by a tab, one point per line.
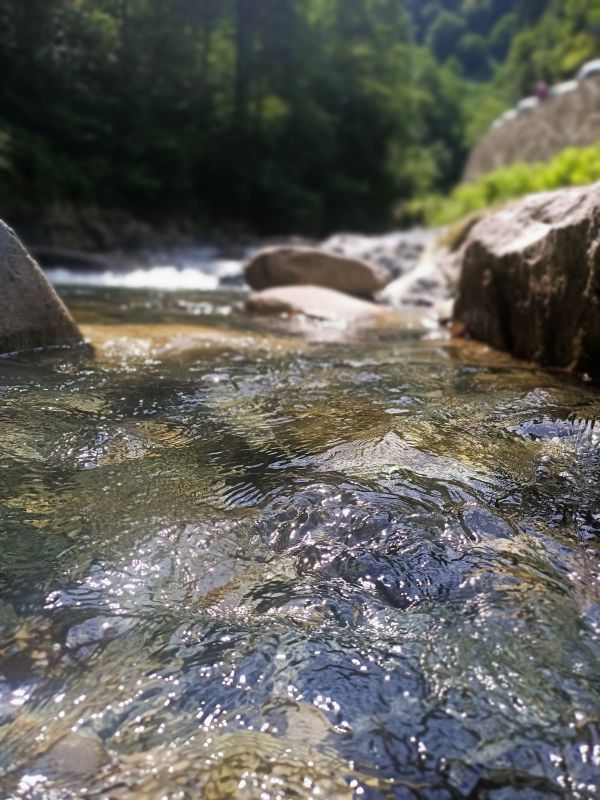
243	562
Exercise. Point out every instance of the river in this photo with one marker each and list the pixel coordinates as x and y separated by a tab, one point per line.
254	559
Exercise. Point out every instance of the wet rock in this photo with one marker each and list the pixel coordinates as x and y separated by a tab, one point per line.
530	280
31	313
479	523
431	284
311	301
135	344
234	766
583	432
76	757
399	252
424	286
293	266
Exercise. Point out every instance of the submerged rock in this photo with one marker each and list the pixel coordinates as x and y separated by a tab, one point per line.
311	301
293	266
31	313
136	344
530	280
585	433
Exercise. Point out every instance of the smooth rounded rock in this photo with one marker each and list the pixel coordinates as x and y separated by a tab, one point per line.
311	301
530	279
293	266
31	313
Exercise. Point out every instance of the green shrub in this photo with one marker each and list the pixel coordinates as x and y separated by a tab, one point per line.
574	166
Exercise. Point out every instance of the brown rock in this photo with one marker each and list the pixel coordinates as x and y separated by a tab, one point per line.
311	301
530	280
31	313
293	266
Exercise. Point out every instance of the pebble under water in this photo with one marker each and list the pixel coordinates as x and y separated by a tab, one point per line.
244	560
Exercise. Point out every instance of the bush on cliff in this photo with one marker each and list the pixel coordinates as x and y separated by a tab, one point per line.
571	167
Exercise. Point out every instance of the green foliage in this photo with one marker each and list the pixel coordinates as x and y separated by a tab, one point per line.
501	37
507	48
571	167
444	35
276	115
554	38
472	52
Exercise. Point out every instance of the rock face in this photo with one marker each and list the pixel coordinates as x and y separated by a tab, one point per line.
311	301
31	313
530	280
568	120
293	266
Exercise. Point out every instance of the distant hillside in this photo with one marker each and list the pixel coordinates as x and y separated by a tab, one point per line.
530	39
268	116
503	48
475	36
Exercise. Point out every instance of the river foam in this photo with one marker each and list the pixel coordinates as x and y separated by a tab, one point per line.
168	277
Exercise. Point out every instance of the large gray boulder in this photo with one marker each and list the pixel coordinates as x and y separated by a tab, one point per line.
294	266
31	313
530	279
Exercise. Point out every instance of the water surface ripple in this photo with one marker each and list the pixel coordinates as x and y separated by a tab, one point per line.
242	562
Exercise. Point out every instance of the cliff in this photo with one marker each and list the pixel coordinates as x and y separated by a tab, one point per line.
571	119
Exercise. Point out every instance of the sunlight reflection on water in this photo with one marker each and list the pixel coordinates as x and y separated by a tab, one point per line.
229	571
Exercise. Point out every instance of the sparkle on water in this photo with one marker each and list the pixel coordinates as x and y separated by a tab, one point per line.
242	560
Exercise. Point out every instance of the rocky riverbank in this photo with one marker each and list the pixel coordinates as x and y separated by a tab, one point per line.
526	279
529	280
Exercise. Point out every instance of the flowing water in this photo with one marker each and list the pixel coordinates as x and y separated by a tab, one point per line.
242	559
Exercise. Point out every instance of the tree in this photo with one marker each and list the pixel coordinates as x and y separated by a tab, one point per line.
472	52
502	35
445	34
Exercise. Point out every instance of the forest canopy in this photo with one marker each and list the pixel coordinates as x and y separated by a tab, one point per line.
264	115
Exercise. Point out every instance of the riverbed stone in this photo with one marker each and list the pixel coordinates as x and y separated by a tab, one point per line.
293	266
132	345
31	313
311	301
530	280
